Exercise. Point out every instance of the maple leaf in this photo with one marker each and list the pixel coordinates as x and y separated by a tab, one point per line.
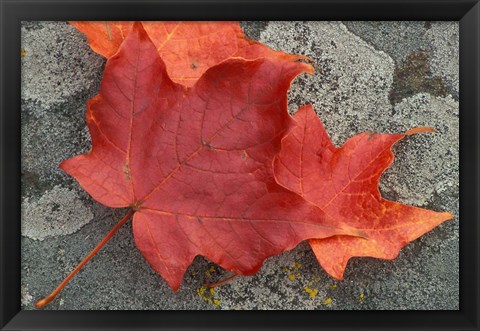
195	164
188	49
343	182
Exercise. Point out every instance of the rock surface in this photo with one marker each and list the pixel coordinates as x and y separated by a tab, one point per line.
356	65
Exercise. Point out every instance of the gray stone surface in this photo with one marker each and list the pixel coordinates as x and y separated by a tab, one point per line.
53	74
398	39
444	39
355	65
59	211
440	40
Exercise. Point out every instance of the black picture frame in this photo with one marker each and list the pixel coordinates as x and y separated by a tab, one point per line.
467	12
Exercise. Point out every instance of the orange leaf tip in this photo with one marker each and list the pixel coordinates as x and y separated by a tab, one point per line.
419	129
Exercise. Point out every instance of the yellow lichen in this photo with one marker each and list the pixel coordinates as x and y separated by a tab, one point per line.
23	52
312	292
361	297
327	301
210	271
292	273
208	296
333	287
201	291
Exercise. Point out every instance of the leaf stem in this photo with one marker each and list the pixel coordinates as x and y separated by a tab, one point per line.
224	281
45	301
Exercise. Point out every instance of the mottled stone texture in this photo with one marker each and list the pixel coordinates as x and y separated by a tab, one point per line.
375	76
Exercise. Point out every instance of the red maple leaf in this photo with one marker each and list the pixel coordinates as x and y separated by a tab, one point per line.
343	182
195	164
188	49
